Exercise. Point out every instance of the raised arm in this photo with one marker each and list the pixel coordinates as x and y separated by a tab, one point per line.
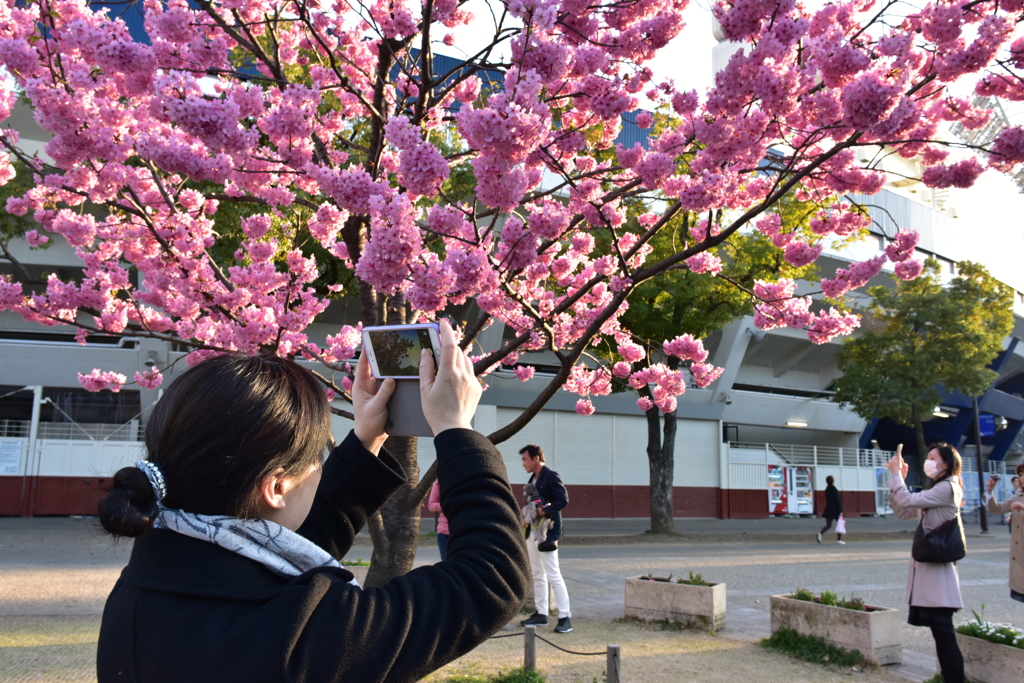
354	484
418	622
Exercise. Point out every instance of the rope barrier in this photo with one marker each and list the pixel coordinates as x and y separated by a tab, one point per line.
507	635
582	654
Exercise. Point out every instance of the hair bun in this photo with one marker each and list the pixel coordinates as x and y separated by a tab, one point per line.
129	508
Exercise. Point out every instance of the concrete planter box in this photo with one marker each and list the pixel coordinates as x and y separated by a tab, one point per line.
988	662
358	572
701	606
876	633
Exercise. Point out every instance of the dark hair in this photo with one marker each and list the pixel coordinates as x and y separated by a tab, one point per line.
217	431
1020	470
533	450
950	456
830	480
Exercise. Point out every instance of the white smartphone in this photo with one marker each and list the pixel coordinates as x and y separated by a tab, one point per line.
394	350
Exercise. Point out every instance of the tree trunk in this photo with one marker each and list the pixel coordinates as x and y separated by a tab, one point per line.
922	447
661	460
394	545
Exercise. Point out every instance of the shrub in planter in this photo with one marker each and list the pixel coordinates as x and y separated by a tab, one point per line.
693	602
847	623
993	653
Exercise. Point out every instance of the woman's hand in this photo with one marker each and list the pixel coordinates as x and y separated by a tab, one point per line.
990	485
370	406
1017	505
896	464
450	394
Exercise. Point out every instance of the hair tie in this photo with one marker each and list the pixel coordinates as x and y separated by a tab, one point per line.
155	476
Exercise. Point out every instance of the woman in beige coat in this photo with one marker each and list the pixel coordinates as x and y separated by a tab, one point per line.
1015	506
933	589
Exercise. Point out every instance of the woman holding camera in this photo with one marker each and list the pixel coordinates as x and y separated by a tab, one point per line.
1014	505
240	522
933	588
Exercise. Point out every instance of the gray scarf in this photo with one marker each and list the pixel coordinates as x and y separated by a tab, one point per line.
284	552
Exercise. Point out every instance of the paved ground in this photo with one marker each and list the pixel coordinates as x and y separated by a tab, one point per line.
56	574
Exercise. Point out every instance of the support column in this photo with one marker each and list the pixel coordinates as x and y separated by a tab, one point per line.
33	453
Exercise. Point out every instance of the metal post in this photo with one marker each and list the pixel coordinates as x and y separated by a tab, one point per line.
982	516
614	660
30	481
530	648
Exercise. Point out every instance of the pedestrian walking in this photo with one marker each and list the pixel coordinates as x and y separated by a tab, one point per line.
833	509
240	523
1014	505
547	492
933	588
434	505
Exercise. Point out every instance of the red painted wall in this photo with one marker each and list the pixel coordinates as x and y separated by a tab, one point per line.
51	495
855	503
10	495
80	495
744	504
592	501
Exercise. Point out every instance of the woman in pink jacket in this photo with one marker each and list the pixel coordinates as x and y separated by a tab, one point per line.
933	588
434	505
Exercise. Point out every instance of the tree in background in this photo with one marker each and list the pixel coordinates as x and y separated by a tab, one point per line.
685	307
352	161
928	335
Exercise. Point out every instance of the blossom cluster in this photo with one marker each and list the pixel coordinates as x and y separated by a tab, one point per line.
228	206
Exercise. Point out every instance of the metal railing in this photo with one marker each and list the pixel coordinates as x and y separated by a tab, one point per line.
74	431
834	456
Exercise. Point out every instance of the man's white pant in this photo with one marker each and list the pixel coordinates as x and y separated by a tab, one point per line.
544	567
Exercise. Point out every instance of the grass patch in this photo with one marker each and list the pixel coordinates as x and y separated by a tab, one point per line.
359	562
811	649
514	676
937	678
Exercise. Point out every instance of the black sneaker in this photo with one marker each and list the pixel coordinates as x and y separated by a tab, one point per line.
536	619
564	625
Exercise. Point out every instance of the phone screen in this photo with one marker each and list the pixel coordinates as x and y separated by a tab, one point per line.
398	351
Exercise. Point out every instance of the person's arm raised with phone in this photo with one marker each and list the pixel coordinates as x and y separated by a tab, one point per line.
451	394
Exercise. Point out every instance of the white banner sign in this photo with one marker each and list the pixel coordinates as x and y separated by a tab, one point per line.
10	457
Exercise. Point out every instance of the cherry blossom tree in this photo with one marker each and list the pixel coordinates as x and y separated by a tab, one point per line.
252	150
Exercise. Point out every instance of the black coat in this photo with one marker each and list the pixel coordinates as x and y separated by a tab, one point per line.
833	503
552	490
187	610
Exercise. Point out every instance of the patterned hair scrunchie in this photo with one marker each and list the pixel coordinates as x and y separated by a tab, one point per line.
155	476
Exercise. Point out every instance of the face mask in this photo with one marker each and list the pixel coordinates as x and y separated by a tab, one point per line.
931	469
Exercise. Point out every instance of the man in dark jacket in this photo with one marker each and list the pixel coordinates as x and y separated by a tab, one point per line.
544	556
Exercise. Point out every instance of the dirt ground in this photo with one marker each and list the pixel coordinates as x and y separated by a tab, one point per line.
63	650
650	655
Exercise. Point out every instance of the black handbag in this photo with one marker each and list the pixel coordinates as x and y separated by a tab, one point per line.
945	543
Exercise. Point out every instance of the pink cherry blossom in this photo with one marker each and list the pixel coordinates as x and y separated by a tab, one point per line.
584	407
237	205
686	347
98	381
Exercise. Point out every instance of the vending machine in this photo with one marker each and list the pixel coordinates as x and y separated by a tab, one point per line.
777	490
800	491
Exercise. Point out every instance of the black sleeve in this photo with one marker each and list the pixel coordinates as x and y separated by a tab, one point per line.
416	623
557	497
353	485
